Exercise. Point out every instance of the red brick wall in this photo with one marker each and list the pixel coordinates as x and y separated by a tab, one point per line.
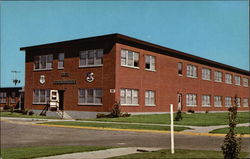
166	82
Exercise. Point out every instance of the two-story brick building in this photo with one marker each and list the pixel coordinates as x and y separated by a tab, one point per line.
91	74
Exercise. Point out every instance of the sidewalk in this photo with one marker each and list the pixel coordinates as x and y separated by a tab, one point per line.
101	154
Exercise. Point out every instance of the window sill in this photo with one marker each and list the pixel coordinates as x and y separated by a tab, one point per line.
218	81
48	69
237	85
130	67
180	75
228	83
150	70
206	105
191	77
133	105
89	104
246	106
206	79
60	68
218	106
246	86
39	103
191	105
87	66
150	105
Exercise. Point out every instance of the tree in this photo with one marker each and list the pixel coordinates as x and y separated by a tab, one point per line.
232	145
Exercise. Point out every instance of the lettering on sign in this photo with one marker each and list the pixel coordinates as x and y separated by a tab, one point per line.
58	82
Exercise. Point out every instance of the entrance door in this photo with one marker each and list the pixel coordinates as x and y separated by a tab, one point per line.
179	96
61	99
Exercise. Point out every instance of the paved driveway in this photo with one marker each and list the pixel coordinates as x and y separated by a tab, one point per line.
19	135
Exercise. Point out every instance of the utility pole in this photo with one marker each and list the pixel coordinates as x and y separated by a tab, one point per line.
15	80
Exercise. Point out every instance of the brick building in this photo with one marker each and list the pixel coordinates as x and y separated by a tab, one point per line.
11	96
91	74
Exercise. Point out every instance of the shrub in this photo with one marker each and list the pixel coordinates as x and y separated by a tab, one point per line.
31	112
6	107
126	114
190	111
100	115
178	116
232	145
206	111
24	112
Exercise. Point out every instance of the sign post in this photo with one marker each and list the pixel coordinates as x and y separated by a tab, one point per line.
172	128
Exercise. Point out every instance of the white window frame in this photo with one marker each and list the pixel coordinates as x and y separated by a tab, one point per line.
95	96
46	96
97	61
238	99
126	58
191	100
60	61
13	97
217	76
217	101
149	98
245	102
228	101
245	82
47	62
206	74
129	96
206	100
3	96
152	62
237	80
192	71
228	78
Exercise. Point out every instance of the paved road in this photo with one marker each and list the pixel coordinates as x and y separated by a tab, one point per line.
19	135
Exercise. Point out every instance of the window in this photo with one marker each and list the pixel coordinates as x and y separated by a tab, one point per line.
90	58
150	98
90	96
13	97
3	96
245	102
191	99
60	60
150	63
237	80
43	62
129	58
179	68
41	96
129	97
238	102
245	82
217	101
206	74
206	100
228	101
191	71
217	76
228	78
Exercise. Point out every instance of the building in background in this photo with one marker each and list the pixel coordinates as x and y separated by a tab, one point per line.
12	96
87	76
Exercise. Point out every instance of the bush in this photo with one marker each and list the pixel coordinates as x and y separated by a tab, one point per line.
126	115
190	111
206	111
24	112
6	107
178	116
100	115
31	112
232	145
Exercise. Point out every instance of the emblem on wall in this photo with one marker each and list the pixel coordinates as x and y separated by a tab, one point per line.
42	79
90	77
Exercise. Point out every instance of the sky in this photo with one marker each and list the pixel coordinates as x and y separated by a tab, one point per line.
216	30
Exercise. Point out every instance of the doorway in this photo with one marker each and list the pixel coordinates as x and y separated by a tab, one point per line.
179	105
61	99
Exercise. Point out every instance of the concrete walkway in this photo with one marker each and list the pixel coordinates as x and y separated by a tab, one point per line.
101	154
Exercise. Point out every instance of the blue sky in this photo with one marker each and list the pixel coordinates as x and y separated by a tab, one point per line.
217	30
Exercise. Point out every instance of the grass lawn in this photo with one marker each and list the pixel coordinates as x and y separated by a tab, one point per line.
112	125
33	152
20	115
196	119
163	154
239	130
